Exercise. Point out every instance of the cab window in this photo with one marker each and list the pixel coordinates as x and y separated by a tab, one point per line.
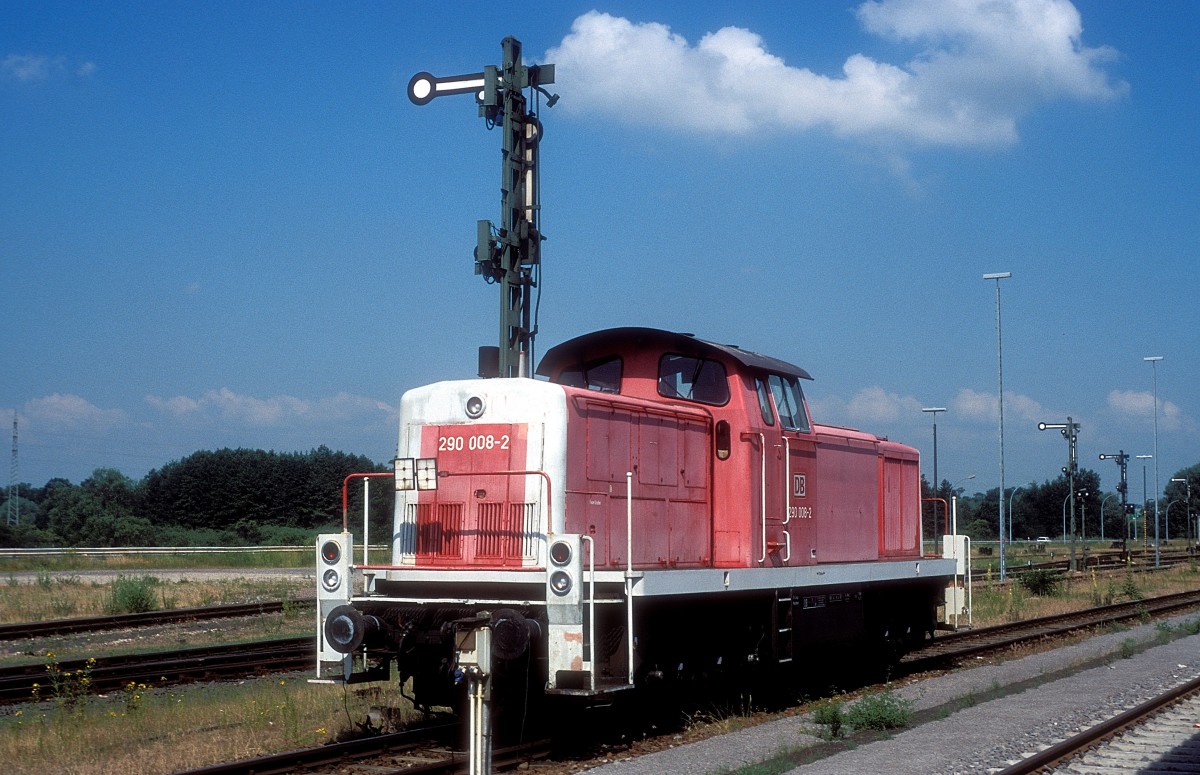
789	401
692	379
764	402
603	375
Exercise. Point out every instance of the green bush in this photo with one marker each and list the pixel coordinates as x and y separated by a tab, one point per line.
828	713
1130	588
1042	582
132	595
880	711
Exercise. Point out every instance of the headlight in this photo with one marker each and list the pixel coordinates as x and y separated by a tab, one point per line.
331	579
475	407
560	582
560	552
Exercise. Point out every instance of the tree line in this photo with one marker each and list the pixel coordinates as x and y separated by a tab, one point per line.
226	497
1044	509
235	497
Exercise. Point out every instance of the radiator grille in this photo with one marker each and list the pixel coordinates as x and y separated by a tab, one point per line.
439	529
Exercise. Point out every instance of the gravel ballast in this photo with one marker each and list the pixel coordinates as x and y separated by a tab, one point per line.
983	718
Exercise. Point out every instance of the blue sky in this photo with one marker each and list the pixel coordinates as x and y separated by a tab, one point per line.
223	224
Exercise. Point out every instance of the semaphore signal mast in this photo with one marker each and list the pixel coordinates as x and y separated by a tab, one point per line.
511	254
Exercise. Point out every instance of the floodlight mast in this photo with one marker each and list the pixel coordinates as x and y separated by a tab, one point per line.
510	255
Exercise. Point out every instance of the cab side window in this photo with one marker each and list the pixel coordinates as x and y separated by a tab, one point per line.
789	400
764	402
603	376
693	379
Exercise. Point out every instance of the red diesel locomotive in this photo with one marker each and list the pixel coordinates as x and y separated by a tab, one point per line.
658	508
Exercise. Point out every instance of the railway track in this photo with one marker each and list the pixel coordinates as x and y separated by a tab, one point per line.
17	684
404	753
1160	735
148	619
410	752
288	654
1141	561
947	648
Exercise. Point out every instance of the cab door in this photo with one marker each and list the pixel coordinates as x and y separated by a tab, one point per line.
772	540
799	522
798	454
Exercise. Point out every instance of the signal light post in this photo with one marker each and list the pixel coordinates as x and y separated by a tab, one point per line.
936	485
510	255
1070	431
1145	499
1121	459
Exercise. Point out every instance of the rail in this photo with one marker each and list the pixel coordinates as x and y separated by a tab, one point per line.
1061	752
362	750
110	551
18	683
23	630
960	644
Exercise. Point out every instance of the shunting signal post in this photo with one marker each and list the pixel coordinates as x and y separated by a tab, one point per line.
510	255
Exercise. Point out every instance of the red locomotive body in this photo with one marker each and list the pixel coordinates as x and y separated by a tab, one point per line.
727	469
659	508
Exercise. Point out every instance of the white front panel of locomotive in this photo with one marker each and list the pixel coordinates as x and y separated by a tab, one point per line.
540	406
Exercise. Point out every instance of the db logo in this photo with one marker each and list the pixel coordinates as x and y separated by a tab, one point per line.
799	486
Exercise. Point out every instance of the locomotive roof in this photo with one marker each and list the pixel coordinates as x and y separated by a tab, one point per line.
612	341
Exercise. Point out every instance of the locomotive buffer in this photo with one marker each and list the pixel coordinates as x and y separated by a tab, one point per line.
510	255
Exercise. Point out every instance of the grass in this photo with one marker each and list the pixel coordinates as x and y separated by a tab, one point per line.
152	730
996	603
300	557
61	597
147	730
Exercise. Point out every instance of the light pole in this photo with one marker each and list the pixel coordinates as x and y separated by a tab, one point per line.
1106	497
1188	484
936	484
1083	495
1145	500
998	276
1064	515
954	486
953	496
1154	359
1012	495
1070	432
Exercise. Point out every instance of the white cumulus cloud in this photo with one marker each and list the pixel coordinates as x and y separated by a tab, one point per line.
974	405
228	406
68	412
976	68
874	404
36	68
1140	404
27	68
